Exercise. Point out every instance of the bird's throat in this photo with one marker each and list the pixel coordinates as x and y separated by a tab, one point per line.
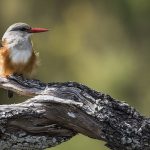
20	56
20	51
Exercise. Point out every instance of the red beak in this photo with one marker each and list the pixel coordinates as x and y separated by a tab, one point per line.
37	30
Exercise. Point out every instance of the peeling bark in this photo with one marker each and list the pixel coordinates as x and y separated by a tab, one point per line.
59	111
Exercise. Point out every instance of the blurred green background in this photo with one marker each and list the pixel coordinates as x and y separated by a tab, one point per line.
101	43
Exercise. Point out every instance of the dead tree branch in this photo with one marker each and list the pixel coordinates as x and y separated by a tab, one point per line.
58	111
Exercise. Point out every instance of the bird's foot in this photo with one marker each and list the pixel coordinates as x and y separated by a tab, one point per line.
15	77
10	94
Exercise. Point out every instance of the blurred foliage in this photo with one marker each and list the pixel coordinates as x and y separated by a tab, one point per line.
100	43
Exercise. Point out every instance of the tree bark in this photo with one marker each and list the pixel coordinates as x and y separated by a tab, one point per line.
58	111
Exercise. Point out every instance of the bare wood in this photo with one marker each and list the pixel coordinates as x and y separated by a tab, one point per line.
58	111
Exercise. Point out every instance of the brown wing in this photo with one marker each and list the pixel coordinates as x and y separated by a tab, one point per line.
3	54
4	59
1	60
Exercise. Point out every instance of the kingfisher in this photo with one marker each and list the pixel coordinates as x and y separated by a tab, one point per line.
17	55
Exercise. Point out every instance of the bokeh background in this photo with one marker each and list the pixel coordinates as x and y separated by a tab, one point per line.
101	43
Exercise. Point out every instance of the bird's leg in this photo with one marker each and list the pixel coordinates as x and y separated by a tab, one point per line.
17	74
10	93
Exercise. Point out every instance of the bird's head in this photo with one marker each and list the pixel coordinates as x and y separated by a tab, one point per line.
20	32
17	40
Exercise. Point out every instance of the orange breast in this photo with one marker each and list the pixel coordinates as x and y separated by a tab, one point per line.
8	68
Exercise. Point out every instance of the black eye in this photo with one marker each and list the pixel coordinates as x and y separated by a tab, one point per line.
23	29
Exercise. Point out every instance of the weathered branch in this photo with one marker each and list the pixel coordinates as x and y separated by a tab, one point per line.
58	111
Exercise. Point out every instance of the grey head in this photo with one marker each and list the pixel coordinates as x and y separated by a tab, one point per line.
20	31
17	36
21	27
17	31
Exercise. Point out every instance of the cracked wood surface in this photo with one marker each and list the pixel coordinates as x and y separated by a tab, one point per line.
58	111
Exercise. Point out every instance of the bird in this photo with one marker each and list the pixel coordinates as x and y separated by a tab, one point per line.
17	55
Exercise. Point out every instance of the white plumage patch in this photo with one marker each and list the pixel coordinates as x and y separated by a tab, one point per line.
20	56
20	46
